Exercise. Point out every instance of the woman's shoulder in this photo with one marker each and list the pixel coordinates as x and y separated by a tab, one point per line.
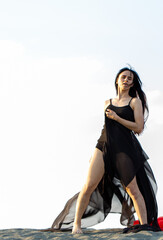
135	102
107	102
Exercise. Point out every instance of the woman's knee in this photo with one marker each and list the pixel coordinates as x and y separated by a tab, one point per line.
133	193
89	188
133	189
95	172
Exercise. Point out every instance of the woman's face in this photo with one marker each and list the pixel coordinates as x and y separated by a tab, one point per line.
125	80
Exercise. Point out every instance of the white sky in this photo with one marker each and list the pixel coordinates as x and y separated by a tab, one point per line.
58	61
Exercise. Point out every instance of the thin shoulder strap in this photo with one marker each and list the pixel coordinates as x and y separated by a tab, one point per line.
130	101
110	101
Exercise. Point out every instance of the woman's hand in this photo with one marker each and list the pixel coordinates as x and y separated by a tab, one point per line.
111	114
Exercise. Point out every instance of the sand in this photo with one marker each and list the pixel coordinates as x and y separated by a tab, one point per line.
90	234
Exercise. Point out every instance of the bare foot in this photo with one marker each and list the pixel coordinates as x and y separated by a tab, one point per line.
76	229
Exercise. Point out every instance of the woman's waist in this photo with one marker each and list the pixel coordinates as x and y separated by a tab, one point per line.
116	127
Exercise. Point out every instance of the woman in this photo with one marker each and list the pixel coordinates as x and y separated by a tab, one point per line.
119	178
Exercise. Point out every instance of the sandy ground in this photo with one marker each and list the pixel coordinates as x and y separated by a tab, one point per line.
33	234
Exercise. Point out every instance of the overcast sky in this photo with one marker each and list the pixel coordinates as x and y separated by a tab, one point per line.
58	61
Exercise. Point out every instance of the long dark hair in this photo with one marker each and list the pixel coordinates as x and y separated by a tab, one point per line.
136	90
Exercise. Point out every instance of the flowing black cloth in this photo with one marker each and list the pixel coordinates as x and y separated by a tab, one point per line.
124	159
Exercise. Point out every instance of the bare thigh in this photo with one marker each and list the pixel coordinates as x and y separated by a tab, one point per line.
96	169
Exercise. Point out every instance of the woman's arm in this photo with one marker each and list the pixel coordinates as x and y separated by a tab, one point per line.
136	126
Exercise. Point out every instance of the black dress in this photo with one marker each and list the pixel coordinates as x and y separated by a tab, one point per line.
124	159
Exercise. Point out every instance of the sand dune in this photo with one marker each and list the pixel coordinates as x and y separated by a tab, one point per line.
33	234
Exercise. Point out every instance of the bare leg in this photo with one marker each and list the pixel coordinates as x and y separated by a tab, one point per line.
95	173
138	201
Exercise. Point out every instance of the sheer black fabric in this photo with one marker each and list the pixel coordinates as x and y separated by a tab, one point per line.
124	159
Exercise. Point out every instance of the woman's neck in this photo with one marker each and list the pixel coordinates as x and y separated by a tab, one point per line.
122	95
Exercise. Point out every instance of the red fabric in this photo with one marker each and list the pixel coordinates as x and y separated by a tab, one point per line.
160	222
136	222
